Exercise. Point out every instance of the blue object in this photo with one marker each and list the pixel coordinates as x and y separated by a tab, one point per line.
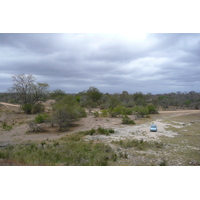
153	128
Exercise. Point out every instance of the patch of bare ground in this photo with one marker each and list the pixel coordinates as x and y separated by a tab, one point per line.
178	132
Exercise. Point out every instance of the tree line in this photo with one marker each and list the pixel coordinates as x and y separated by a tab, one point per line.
25	91
68	108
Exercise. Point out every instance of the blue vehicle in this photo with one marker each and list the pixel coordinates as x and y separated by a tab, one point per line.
153	128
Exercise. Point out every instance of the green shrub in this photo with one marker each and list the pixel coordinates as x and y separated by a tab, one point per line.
6	127
104	113
142	111
104	131
82	112
42	118
99	131
27	108
152	109
96	114
120	110
127	120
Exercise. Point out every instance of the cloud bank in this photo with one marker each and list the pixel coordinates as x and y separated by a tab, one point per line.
156	63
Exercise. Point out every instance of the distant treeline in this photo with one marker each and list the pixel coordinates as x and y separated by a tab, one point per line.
92	98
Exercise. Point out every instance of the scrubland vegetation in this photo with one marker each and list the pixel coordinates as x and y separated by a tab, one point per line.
66	109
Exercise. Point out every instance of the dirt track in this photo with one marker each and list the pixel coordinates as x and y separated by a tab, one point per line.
9	104
178	131
18	134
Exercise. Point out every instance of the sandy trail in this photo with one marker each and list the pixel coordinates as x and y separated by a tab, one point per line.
10	104
19	133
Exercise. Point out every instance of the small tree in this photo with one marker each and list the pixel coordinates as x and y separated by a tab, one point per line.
152	109
94	94
27	92
127	120
141	111
57	94
66	111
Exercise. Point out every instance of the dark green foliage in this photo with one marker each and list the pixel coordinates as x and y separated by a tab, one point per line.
37	108
139	99
94	94
66	111
104	131
127	120
78	99
42	118
113	102
119	110
104	113
99	131
27	108
152	109
141	111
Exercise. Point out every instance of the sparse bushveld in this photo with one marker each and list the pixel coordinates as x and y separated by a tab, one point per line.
96	137
66	111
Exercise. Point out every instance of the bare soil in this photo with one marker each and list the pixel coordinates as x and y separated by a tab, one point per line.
171	124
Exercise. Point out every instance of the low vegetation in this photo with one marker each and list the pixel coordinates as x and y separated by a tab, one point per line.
70	152
138	144
127	120
99	131
6	127
74	149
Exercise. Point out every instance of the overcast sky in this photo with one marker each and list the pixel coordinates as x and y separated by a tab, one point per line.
155	63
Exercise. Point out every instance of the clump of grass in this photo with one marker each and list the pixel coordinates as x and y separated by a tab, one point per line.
6	127
96	114
103	131
138	144
99	131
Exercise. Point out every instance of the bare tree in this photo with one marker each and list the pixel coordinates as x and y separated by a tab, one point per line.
26	91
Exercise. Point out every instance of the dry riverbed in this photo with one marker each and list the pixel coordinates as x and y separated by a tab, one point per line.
177	141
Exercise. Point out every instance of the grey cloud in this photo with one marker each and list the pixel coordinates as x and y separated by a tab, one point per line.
74	62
